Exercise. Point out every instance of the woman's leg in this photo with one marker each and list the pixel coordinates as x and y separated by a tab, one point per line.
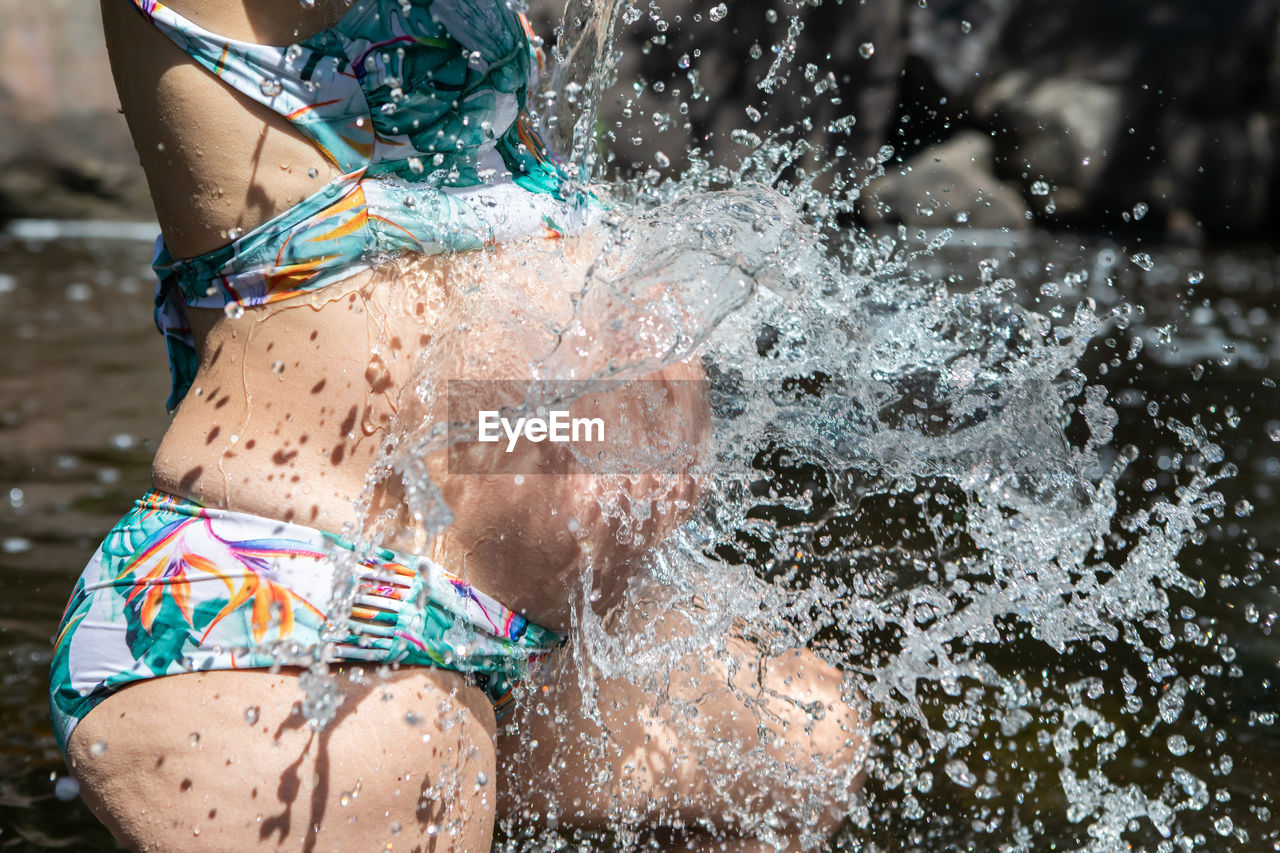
729	750
225	760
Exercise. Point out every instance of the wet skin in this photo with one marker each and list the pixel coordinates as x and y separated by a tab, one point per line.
286	417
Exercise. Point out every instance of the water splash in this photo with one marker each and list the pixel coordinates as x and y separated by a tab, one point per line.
914	475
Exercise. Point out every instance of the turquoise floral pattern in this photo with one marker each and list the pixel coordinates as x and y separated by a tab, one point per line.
177	587
423	106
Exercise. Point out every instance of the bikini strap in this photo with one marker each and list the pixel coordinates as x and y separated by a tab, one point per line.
311	87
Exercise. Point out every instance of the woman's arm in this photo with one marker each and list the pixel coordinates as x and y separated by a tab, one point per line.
214	160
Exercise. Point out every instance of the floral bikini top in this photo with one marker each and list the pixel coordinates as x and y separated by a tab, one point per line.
422	105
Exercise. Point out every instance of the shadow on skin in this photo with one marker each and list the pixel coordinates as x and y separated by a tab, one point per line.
369	777
290	779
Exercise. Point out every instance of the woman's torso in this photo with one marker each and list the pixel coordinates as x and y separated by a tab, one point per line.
268	426
292	400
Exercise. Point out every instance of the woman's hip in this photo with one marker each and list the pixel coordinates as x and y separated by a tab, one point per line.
179	588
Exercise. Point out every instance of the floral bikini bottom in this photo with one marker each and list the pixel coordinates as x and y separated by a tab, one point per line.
177	587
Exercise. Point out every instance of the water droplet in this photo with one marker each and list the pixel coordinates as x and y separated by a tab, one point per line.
99	747
1223	825
482	779
843	125
233	310
961	774
1040	188
307	4
966	27
195	830
885	154
66	789
270	86
771	15
277	367
756	51
292	52
1243	508
866	50
1143	260
251	714
1177	744
684	61
15	545
1195	277
311	173
1170	705
1140	210
718	12
753	114
193	739
395	828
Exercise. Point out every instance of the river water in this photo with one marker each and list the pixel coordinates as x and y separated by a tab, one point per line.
1165	740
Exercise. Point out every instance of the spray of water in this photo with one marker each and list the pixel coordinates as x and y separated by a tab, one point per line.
911	475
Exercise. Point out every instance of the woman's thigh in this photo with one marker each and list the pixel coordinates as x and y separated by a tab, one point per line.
725	738
226	760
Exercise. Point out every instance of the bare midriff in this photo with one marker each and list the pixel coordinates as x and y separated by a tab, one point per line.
291	404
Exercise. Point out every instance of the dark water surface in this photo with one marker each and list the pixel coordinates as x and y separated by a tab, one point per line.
82	386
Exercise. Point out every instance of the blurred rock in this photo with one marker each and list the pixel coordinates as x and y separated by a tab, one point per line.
957	40
712	62
65	150
1107	103
1168	103
947	185
1174	104
1057	132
